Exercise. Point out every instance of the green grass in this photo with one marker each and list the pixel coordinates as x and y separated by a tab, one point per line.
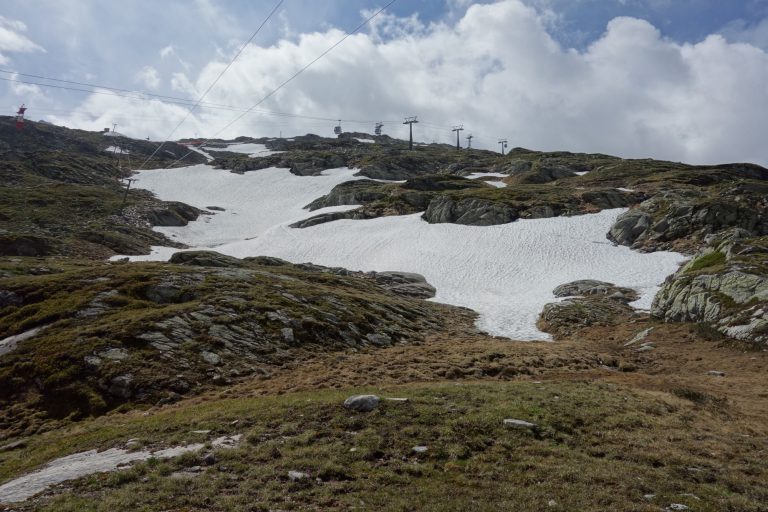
598	447
706	261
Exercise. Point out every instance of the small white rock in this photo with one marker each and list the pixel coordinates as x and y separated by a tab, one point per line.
519	423
419	449
295	476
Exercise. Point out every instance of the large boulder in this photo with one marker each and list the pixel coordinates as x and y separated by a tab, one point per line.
172	214
406	284
566	318
472	212
348	193
587	287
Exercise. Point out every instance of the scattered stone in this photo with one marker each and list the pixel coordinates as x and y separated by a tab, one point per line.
121	386
677	507
551	503
210	357
15	445
419	449
209	459
645	348
716	373
132	443
92	361
295	476
648	496
522	424
288	336
362	403
639	336
400	400
114	354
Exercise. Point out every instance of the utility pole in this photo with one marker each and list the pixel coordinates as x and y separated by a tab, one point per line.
114	127
409	121
503	143
458	129
469	141
125	196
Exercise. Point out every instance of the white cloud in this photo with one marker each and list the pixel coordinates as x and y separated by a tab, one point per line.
167	51
741	31
12	41
498	71
149	77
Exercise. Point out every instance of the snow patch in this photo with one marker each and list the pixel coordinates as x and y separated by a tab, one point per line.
201	152
117	149
90	462
252	150
367	141
506	273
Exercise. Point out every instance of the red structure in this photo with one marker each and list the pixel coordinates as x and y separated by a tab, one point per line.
20	117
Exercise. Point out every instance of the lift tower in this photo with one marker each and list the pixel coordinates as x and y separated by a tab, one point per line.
458	129
409	121
503	143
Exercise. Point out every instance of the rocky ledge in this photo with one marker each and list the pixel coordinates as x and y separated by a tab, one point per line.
149	332
726	286
586	303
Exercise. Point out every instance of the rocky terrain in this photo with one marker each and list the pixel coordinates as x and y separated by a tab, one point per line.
61	193
150	356
105	334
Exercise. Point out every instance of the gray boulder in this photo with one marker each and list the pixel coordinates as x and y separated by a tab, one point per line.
362	403
471	212
405	283
593	287
121	386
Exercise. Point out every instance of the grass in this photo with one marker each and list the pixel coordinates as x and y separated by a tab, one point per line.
706	261
48	379
591	451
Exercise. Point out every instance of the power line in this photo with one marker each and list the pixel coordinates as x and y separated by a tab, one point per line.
300	71
232	61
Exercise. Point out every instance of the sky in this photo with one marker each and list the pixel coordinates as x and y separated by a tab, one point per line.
684	80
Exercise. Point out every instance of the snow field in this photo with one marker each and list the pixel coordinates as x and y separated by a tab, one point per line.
506	273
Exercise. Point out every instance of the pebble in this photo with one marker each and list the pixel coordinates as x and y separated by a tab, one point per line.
716	373
677	507
419	449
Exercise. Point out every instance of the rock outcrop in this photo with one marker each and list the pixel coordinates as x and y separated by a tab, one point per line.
591	302
725	287
473	212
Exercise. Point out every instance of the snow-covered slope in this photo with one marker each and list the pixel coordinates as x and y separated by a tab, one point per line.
253	150
506	272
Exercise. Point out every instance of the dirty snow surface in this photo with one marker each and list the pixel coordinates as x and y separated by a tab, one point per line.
90	462
497	184
252	150
506	273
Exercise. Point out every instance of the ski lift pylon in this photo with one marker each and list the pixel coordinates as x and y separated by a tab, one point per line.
377	130
337	128
20	117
